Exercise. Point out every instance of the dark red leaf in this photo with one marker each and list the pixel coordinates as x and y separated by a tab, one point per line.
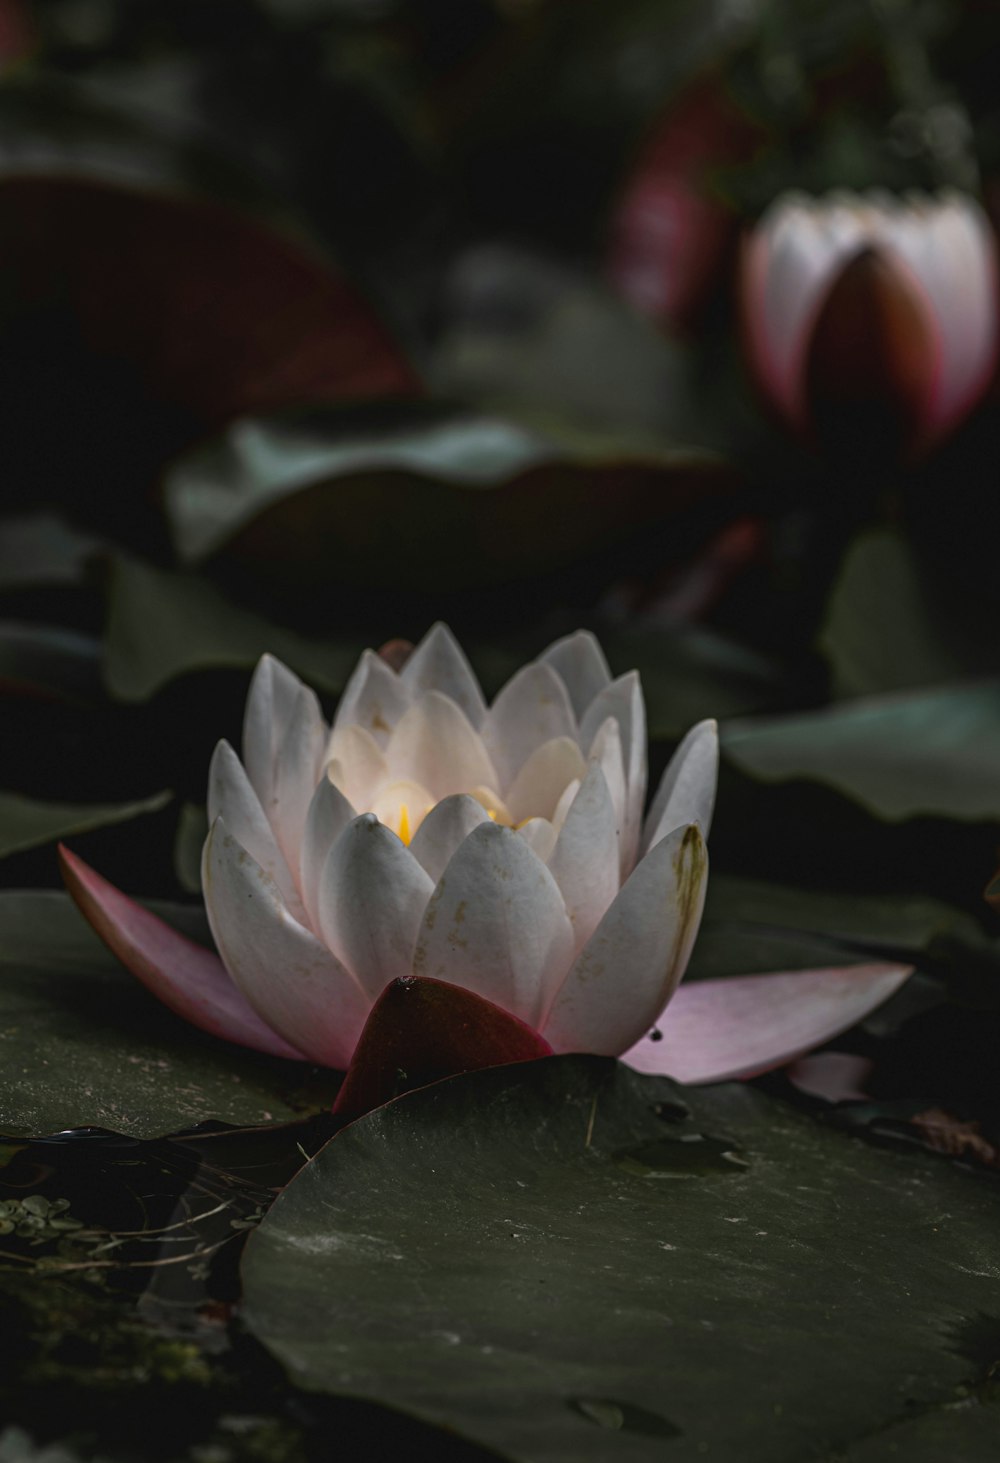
421	1030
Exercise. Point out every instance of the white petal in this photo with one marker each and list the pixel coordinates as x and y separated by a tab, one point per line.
623	700
496	924
447	825
539	785
274	690
230	796
357	766
606	752
439	664
565	803
436	745
297	767
402	807
328	816
630	966
686	793
374	698
290	979
372	898
579	660
538	834
585	862
533	707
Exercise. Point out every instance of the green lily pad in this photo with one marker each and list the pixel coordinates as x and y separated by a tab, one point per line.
162	625
422	495
28	823
554	1262
923	752
83	1044
886	627
750	926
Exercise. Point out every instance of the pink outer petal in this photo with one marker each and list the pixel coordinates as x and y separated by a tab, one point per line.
714	1030
189	979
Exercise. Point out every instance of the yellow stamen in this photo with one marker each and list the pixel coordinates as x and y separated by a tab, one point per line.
404	823
491	813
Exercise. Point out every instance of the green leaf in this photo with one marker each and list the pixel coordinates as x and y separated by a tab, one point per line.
554	1262
192	830
162	625
885	629
84	1044
750	926
43	548
928	752
423	496
27	823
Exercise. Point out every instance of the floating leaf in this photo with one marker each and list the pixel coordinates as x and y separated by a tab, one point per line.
550	1258
916	752
27	823
163	625
457	500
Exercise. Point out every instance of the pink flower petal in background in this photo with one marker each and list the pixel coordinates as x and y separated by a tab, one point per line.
833	1076
714	1030
189	979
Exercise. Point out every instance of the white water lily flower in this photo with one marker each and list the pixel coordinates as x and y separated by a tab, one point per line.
499	848
921	323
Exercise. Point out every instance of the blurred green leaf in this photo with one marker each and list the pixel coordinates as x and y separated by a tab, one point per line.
886	628
425	499
913	753
27	823
559	1260
192	830
49	662
162	625
43	549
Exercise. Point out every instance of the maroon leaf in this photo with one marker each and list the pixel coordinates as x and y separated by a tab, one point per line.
218	313
421	1030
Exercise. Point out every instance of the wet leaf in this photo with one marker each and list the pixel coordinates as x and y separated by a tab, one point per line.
902	755
478	1254
28	823
162	625
886	627
424	497
84	1045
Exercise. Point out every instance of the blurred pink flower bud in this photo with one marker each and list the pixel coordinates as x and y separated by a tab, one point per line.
873	303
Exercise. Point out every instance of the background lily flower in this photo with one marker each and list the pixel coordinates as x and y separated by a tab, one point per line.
873	299
500	849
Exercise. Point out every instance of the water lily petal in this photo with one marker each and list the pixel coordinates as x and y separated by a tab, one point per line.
274	690
623	700
584	862
374	698
447	825
579	660
291	980
532	708
328	816
686	793
435	744
192	981
439	664
372	897
296	774
231	797
496	924
540	783
630	966
357	765
718	1029
606	752
539	835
